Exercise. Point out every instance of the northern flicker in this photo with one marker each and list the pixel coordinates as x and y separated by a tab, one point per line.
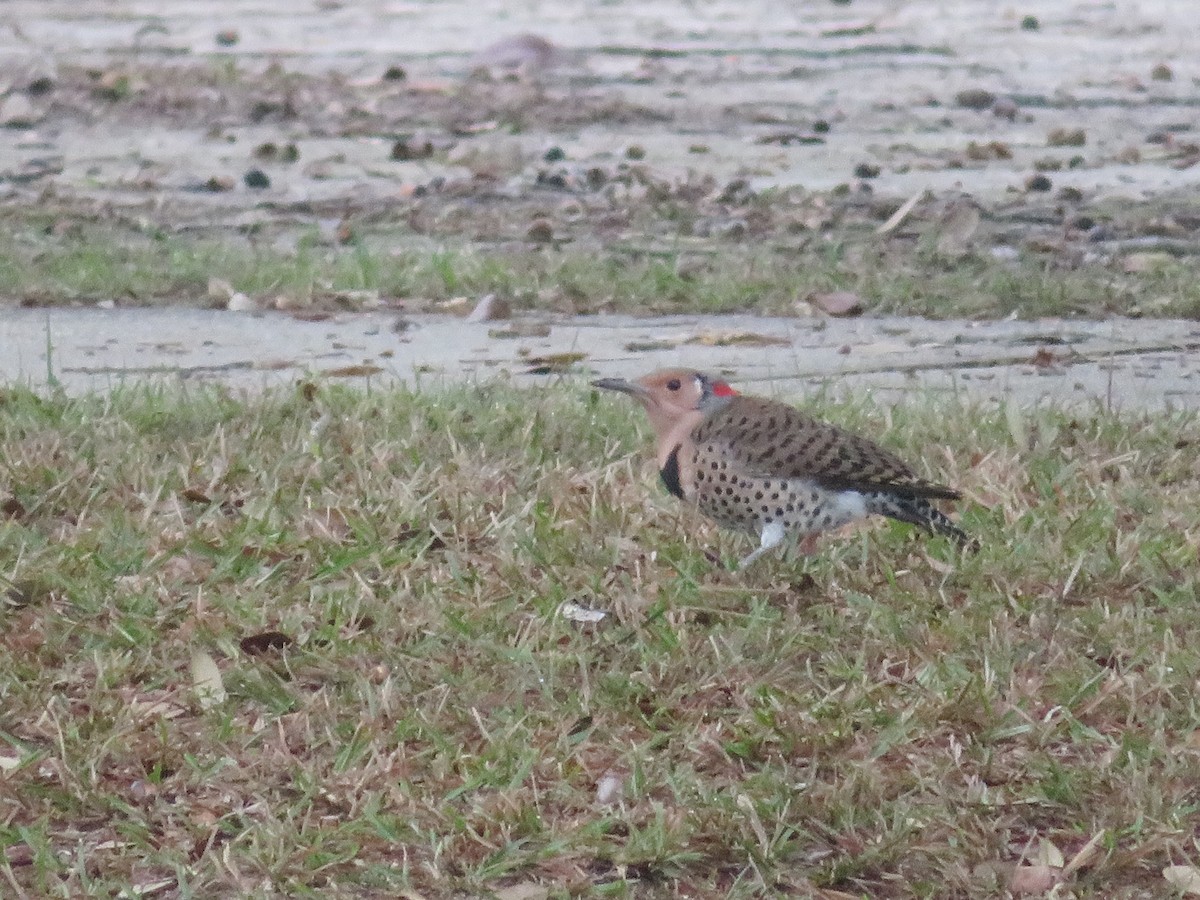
764	467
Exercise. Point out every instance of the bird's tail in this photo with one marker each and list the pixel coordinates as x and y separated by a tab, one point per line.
920	512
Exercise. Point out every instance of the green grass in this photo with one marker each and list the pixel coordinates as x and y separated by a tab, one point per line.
90	262
882	720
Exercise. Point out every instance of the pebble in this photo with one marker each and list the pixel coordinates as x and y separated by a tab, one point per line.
540	232
239	302
256	179
975	98
1066	137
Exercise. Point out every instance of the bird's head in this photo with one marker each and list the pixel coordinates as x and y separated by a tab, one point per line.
670	395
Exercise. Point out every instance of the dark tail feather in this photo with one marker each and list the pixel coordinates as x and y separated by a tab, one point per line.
920	512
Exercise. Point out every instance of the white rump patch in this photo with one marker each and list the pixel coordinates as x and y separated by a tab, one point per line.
848	506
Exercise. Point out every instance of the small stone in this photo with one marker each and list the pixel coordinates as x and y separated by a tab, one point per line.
219	184
256	179
821	127
866	170
841	304
1070	195
239	302
1066	137
1076	162
975	98
699	148
554	154
1030	23
540	232
289	154
227	37
409	148
1083	223
266	150
635	151
1005	108
220	290
1038	182
1162	72
1048	164
44	84
395	73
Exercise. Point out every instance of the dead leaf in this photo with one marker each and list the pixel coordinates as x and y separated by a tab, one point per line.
455	306
1066	137
150	888
360	371
20	594
195	495
522	890
1044	358
1034	879
272	365
1147	261
1085	854
610	787
648	346
553	363
264	642
576	613
18	855
737	339
206	680
897	218
837	303
489	308
1185	879
1049	855
520	330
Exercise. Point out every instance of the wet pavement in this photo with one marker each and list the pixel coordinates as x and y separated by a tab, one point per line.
1120	364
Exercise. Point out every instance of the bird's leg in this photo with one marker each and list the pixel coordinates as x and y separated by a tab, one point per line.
807	545
772	536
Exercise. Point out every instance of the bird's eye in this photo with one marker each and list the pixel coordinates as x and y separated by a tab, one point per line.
673	384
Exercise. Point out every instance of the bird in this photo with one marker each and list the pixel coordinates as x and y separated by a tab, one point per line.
764	467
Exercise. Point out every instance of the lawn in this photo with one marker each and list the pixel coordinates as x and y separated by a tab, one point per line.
321	642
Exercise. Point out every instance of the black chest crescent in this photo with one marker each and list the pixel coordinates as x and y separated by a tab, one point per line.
670	474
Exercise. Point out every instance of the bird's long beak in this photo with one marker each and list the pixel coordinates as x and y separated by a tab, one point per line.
620	384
